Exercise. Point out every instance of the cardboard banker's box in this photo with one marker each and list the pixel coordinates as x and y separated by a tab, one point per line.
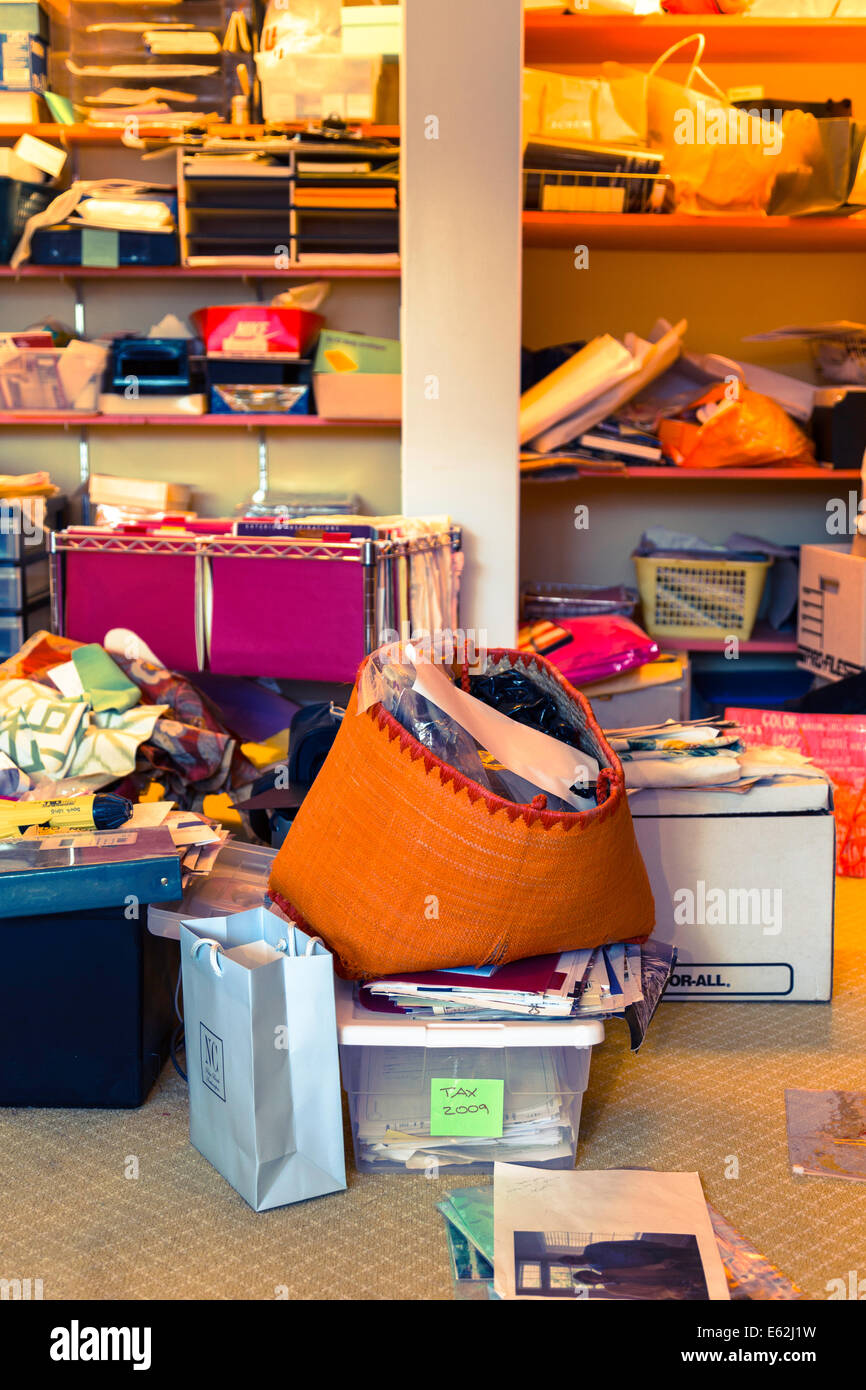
831	626
744	888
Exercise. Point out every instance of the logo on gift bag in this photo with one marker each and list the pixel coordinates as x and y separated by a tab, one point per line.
212	1070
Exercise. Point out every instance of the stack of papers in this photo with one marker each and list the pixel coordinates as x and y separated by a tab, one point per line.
694	754
623	980
196	839
593	384
392	1107
707	754
162	41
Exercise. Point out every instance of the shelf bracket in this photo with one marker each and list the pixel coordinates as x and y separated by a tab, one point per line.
261	493
78	310
83	457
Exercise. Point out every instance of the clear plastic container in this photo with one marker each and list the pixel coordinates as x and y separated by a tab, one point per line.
20	584
15	628
311	86
92	54
63	379
554	601
24	525
390	1063
237	882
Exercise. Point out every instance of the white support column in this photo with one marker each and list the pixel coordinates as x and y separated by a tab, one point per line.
461	254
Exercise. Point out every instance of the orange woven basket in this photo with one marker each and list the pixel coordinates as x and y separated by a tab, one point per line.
400	863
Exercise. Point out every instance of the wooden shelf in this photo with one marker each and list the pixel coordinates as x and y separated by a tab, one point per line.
680	231
560	40
113	135
763	639
196	272
15	419
800	474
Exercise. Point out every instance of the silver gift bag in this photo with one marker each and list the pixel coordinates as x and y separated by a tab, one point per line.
261	1048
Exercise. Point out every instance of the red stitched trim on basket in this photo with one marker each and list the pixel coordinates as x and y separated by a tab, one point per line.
611	782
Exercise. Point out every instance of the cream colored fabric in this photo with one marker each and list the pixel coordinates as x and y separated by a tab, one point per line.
708	1085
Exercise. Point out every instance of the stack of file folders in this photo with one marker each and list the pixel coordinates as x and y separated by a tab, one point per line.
76	870
318	199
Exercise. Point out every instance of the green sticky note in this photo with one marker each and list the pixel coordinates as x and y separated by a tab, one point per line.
466	1106
100	246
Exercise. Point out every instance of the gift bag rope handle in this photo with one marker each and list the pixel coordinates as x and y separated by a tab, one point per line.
216	951
694	69
288	947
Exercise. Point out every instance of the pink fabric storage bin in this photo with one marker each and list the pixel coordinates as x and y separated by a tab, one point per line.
154	595
300	619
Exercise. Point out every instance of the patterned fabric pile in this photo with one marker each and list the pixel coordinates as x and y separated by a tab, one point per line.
74	717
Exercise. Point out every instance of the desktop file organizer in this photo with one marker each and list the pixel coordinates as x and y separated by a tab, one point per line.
276	606
310	206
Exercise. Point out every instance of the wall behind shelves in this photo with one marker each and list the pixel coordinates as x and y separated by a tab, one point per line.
620	509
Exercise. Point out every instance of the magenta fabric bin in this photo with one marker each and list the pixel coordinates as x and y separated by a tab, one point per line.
295	618
154	595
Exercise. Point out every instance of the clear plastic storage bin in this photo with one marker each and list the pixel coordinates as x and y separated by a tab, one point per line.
15	628
302	86
19	585
391	1064
65	379
237	882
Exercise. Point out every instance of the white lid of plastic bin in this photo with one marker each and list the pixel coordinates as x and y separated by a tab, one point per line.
362	1027
237	882
794	795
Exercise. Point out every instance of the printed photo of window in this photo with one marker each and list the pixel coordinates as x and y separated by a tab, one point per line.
633	1266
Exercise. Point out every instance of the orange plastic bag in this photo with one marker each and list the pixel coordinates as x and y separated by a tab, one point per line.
399	862
747	431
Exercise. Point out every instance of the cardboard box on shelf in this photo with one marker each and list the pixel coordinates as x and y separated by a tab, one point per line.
831	627
357	377
23	62
744	888
137	492
641	696
358	395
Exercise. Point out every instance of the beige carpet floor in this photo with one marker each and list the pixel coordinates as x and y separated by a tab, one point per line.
708	1085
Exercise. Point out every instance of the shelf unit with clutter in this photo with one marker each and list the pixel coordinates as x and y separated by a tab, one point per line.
731	275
